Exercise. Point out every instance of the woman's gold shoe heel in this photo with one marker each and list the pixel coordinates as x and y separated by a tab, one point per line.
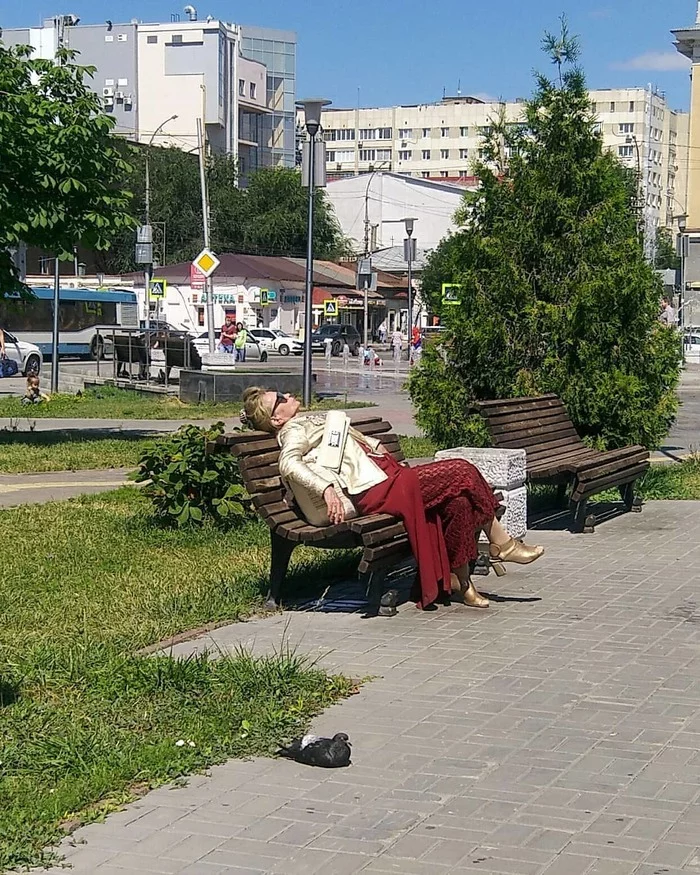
514	551
472	598
499	568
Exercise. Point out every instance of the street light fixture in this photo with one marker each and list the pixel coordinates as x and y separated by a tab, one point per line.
313	107
408	223
682	221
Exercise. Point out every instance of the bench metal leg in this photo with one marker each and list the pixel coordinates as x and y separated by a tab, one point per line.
630	500
561	494
380	603
281	554
579	521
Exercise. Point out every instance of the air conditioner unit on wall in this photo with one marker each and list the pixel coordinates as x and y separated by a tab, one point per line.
119	95
108	92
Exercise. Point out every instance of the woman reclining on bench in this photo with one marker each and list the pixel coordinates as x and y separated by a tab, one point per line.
443	505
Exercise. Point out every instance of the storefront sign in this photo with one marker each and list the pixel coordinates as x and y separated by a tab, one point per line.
291	299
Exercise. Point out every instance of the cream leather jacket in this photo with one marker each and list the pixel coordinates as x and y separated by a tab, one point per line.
299	440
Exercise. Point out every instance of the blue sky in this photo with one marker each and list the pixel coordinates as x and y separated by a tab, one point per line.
407	52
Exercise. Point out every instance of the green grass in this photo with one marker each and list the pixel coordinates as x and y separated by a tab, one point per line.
83	720
108	402
23	452
417	447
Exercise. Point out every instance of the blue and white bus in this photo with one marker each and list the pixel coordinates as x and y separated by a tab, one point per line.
86	319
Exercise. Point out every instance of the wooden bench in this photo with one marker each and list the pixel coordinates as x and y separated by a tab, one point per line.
557	455
383	538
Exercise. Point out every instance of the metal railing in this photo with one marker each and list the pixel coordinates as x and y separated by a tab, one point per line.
148	350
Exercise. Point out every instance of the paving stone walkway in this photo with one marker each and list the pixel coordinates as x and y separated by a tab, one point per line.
557	733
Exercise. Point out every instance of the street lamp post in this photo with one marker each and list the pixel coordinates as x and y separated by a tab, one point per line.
312	107
408	223
148	269
683	248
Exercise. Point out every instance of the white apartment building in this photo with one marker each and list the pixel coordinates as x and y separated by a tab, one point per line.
149	72
443	140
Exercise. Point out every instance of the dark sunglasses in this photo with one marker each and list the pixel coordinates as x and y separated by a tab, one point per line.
280	399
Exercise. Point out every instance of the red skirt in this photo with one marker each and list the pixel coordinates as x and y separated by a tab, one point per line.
443	506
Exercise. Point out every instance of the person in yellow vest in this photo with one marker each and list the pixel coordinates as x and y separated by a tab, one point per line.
240	341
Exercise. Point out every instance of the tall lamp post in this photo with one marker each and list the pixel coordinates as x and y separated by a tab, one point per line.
683	252
148	269
408	246
313	107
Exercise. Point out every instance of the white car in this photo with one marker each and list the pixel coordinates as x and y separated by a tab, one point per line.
272	339
254	351
692	347
28	356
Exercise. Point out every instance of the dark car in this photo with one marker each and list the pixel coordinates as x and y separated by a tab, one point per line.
340	335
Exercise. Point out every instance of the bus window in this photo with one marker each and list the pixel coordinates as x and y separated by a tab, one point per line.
36	315
77	315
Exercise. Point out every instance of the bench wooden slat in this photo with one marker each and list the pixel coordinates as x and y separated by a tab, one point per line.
262	498
264	484
372	428
557	465
261	445
619	478
260	460
523	421
379	536
359	525
507	402
566	434
545	434
608	457
612	467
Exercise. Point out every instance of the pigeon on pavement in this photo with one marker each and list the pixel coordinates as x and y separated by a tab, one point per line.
314	750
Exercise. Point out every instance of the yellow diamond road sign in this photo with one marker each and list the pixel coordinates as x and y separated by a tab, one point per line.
206	262
330	307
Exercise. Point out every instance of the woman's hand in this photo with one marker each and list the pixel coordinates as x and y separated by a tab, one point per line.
336	511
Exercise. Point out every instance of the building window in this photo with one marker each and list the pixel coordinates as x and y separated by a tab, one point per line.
151	39
241	87
464	174
345	156
109	37
367	154
425	174
445	174
625	151
444	132
405	133
375	134
626	128
405	155
425	154
464	132
383	154
122	37
177	39
339	134
426	132
463	153
631	106
612	106
444	153
485	130
252	90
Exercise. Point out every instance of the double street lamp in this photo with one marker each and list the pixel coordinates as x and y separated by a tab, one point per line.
313	107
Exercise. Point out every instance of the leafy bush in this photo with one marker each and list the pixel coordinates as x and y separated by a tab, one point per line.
187	484
555	293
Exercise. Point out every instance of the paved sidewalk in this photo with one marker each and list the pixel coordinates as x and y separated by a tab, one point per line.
557	733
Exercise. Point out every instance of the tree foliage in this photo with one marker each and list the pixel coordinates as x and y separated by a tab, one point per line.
62	178
267	217
666	258
555	294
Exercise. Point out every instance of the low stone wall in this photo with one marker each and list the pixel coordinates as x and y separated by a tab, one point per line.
505	470
199	386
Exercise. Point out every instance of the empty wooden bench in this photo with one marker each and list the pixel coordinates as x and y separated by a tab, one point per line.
557	455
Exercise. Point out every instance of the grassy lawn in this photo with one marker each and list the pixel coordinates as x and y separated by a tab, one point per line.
108	402
22	452
83	721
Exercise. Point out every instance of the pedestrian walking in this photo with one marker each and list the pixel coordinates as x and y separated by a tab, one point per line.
381	331
240	342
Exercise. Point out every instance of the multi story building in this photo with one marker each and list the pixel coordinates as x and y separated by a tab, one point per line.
179	71
442	141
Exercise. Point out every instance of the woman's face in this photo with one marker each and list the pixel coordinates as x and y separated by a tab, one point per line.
282	407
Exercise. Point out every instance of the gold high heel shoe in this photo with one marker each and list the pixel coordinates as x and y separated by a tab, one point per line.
515	551
472	598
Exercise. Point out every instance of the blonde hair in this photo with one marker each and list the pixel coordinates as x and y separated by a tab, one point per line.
256	411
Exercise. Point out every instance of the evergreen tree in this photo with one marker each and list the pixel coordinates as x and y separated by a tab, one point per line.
555	293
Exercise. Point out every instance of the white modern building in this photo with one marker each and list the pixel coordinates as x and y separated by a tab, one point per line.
157	79
370	209
441	141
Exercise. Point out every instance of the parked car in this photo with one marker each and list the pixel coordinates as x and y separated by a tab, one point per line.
272	339
692	347
340	335
27	355
253	350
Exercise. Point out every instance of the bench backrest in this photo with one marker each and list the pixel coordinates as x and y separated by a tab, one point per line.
539	425
180	352
258	455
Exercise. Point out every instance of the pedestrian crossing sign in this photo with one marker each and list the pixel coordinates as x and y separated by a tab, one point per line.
330	307
450	294
158	288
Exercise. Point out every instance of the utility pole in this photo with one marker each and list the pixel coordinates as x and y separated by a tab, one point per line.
208	282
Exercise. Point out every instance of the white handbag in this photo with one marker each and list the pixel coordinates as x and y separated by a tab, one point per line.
335	436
